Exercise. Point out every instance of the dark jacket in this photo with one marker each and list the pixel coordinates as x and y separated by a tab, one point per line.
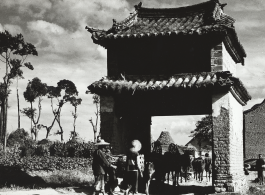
100	163
259	164
131	161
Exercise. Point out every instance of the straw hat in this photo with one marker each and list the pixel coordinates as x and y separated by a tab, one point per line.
101	142
135	146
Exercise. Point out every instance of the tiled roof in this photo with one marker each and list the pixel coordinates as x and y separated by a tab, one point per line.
133	84
198	19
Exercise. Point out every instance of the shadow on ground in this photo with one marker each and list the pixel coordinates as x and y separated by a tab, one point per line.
13	176
156	188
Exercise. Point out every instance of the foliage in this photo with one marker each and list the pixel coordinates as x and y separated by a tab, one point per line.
48	163
29	147
35	90
70	92
45	141
76	149
17	137
204	129
58	149
11	152
42	150
13	53
72	149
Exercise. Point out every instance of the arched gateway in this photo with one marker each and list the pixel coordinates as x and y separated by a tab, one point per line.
176	61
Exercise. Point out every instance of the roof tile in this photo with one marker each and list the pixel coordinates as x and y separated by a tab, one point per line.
180	81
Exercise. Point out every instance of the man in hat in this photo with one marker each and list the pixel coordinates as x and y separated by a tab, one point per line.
99	166
260	165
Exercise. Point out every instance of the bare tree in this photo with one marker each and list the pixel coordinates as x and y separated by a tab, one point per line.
70	91
75	102
96	101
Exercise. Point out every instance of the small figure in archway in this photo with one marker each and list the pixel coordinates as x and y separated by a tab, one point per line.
208	166
260	164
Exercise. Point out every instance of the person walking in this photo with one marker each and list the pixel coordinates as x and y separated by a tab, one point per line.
260	163
99	166
208	166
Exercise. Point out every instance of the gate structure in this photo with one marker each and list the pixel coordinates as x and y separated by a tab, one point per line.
175	61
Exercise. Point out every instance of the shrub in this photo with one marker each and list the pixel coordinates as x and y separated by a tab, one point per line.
45	142
42	150
17	137
28	149
11	152
79	150
58	149
38	163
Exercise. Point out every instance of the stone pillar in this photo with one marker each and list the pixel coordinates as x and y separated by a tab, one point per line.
228	174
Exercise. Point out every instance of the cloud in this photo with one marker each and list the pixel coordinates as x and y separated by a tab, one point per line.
1	28
102	51
81	13
13	29
46	28
66	45
14	19
245	5
250	24
36	8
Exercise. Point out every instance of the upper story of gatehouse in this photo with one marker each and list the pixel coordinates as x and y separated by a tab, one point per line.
154	41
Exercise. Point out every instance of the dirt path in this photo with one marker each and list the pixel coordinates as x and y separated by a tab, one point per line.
189	188
186	188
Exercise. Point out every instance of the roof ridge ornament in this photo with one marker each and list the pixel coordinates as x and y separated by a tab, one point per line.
137	7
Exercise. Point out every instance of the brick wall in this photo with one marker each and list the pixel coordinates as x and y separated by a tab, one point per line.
228	144
254	124
221	60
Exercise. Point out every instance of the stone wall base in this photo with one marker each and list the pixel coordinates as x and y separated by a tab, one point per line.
231	185
240	185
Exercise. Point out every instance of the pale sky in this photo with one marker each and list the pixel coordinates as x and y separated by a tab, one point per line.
66	51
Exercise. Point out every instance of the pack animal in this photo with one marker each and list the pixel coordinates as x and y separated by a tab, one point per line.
198	167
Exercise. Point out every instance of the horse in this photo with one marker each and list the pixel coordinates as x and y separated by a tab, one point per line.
174	163
198	167
169	162
185	161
